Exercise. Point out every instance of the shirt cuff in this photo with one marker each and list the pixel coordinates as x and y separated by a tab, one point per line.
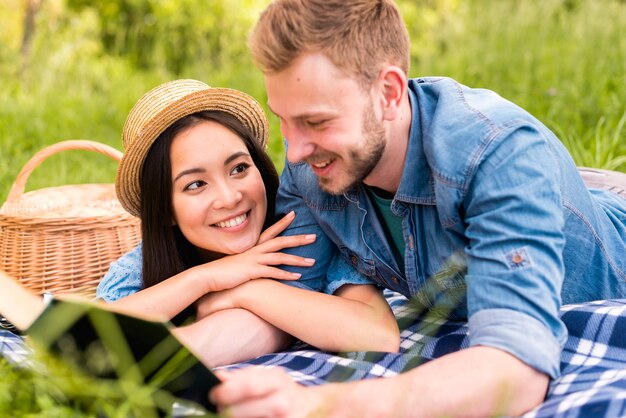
332	286
518	334
313	285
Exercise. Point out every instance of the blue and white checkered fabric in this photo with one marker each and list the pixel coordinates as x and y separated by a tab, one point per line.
13	348
593	363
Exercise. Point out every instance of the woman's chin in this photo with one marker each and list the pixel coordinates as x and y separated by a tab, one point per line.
240	247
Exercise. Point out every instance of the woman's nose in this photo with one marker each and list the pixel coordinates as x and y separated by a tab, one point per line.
227	197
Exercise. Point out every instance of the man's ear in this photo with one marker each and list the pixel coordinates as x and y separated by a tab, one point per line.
393	86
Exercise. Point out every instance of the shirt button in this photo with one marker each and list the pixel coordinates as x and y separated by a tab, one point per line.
517	258
353	260
394	279
410	242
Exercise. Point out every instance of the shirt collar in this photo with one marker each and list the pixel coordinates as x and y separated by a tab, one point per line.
416	184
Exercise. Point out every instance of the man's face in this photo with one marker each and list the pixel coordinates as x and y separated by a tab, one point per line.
328	121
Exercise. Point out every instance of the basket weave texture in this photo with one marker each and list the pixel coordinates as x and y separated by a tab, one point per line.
63	239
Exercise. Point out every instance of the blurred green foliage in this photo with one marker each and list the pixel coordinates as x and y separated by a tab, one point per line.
88	62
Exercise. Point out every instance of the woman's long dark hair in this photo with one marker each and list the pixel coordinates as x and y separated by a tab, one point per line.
166	252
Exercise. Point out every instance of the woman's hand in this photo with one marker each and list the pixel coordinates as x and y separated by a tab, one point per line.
258	261
217	301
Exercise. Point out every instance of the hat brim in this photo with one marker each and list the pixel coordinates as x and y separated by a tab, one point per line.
238	104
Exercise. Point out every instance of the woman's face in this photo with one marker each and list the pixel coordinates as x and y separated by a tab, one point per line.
218	195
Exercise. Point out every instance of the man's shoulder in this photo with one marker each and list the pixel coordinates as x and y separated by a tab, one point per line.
298	179
461	126
446	101
301	176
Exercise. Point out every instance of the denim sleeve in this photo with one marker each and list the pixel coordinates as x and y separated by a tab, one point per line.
514	223
322	250
123	277
341	272
518	334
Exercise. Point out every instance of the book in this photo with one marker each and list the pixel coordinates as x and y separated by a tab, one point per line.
108	344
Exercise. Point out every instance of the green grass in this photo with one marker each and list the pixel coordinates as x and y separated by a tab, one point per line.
56	389
564	61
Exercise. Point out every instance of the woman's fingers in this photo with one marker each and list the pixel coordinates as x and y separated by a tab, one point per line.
288	241
278	274
275	259
277	228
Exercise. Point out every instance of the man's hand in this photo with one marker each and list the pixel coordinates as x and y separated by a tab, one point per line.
257	392
474	382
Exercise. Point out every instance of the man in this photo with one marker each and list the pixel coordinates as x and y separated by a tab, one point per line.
406	178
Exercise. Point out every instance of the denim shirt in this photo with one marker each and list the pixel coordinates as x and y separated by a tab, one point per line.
123	277
497	222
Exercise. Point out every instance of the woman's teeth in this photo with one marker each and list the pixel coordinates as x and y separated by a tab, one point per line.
237	220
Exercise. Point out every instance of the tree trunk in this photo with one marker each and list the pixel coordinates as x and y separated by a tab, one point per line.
32	8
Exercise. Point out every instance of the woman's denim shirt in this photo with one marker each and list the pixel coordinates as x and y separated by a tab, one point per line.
497	223
123	277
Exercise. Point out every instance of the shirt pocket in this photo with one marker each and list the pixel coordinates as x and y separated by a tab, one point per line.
364	266
368	267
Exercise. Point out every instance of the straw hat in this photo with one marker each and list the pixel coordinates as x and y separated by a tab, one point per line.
164	105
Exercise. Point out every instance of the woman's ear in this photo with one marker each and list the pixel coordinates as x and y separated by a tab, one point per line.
393	86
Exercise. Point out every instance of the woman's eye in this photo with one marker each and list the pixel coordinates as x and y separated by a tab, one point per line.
195	185
240	168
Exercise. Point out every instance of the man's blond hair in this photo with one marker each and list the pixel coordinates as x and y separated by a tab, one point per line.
358	36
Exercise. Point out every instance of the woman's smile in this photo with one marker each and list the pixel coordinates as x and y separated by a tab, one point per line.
232	223
216	184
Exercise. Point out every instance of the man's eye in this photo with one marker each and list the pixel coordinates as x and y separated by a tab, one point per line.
315	123
240	168
195	185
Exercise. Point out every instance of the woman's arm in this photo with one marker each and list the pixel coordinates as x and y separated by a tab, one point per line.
355	318
171	296
231	336
17	304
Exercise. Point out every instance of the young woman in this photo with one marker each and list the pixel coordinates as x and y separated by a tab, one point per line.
196	173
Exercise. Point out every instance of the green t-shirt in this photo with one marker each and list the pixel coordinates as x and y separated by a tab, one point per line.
392	224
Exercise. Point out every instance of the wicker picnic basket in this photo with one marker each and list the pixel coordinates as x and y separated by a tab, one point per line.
62	239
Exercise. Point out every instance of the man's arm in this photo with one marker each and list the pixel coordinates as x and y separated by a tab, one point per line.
514	217
323	250
475	382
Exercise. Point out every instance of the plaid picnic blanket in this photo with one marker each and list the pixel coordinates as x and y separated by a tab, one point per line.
593	363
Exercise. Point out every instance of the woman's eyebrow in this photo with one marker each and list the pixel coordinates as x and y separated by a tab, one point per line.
235	156
202	170
189	171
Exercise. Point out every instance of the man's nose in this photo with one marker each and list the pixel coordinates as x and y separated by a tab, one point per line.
299	147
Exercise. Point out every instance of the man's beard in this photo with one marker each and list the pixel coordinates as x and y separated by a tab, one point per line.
362	160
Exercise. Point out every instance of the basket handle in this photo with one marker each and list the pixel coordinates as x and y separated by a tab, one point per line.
17	190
